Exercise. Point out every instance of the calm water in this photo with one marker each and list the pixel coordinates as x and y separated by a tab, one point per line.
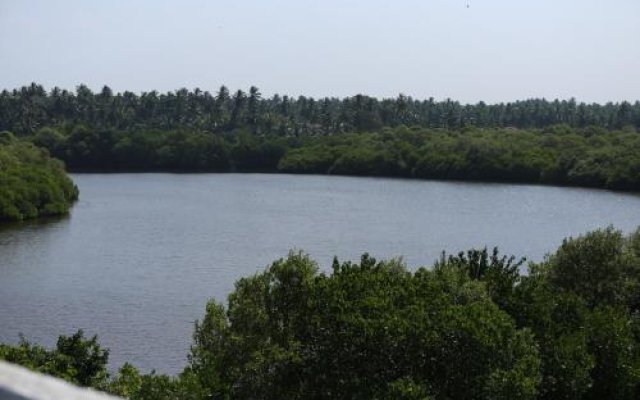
141	253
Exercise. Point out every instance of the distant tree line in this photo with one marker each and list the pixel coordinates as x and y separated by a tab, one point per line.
559	155
25	110
533	141
32	184
470	327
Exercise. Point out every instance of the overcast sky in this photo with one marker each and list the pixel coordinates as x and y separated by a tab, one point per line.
495	50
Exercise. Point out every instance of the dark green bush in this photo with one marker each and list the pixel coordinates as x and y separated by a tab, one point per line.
32	184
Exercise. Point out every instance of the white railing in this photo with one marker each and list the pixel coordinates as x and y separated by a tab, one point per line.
18	383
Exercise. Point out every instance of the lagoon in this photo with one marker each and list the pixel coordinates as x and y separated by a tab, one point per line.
140	254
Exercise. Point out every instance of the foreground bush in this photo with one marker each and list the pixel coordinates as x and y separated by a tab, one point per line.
470	327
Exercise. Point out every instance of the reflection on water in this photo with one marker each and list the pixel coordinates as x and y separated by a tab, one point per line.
141	253
41	223
18	240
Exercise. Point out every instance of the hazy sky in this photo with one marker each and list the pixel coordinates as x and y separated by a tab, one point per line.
496	50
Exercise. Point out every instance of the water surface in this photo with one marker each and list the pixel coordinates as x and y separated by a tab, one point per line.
140	254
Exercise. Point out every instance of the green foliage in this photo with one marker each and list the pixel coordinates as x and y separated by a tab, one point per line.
309	160
556	155
83	362
163	387
76	359
634	242
562	156
500	274
27	109
558	322
126	383
471	327
533	141
83	356
616	374
405	389
600	267
7	137
582	306
366	331
31	183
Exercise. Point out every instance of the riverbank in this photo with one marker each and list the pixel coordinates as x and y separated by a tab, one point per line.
553	156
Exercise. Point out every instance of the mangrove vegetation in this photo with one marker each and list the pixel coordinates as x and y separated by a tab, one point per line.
532	141
472	326
32	184
560	155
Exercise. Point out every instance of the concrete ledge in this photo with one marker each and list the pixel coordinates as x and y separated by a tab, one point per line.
18	383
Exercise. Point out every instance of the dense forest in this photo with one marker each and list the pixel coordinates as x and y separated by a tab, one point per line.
32	184
534	141
560	155
25	110
470	327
